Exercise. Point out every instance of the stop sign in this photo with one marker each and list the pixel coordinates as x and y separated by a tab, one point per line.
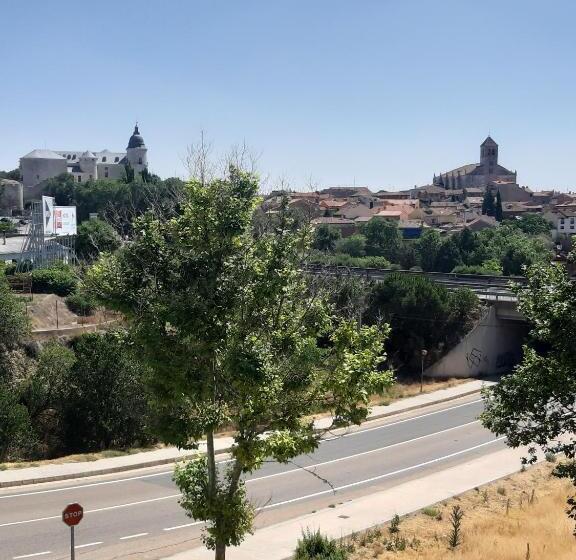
72	514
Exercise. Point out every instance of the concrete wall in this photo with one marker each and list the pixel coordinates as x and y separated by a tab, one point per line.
493	347
11	196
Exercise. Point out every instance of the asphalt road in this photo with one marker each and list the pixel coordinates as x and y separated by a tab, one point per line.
136	514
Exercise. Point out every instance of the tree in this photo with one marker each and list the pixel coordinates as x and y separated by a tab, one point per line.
488	203
14	323
532	224
427	247
95	237
355	245
422	315
535	405
14	175
6	226
448	255
104	402
498	208
383	239
467	244
237	337
325	237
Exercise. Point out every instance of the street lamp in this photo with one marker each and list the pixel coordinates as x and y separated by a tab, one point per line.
423	354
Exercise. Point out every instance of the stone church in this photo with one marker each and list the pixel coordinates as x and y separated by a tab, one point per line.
40	165
479	175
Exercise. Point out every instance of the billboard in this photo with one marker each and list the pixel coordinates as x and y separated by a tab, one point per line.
48	215
65	220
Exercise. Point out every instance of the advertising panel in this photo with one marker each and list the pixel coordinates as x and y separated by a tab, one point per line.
65	220
48	215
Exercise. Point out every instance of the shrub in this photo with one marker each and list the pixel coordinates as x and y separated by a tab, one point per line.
59	280
315	546
455	536
81	303
394	524
430	512
476	269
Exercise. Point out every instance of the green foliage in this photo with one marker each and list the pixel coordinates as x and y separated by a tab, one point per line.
16	435
427	247
490	268
339	259
57	279
455	535
95	237
14	324
383	239
531	224
355	245
325	237
236	336
81	303
535	404
430	511
422	314
315	546
448	256
488	203
105	402
14	174
394	525
498	207
117	202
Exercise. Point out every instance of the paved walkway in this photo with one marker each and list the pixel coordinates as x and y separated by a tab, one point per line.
277	542
65	471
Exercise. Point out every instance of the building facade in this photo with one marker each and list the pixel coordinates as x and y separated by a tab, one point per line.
41	165
482	174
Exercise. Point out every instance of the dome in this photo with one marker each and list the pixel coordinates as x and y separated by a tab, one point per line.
136	141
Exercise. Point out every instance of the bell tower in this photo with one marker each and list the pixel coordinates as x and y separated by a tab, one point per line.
489	155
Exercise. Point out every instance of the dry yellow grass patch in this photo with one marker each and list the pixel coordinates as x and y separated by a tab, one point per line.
404	389
488	531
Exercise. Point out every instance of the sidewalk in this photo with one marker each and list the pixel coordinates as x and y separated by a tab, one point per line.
278	542
65	471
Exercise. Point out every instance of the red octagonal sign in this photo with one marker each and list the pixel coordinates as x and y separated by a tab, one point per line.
72	514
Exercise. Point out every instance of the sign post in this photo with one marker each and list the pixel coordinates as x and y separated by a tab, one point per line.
72	515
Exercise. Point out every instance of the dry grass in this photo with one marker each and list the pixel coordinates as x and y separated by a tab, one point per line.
404	389
488	531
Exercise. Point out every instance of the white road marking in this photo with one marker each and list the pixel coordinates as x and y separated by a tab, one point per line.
183	526
133	536
300	469
32	555
88	544
144	476
382	476
361	431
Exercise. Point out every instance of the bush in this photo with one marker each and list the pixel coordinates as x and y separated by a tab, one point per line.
355	246
476	269
81	303
59	280
315	546
341	259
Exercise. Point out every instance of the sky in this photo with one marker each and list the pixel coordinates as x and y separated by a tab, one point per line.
377	93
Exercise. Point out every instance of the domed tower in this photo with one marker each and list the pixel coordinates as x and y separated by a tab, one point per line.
489	154
136	152
87	163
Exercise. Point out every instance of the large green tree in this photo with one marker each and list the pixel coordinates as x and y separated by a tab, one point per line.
535	405
326	237
383	239
95	237
237	337
427	247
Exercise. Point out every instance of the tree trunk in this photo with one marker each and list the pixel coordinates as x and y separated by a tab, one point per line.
220	552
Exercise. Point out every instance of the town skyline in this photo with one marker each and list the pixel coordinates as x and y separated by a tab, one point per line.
383	96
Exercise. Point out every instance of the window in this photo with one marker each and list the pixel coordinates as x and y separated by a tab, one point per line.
116	159
90	176
68	156
79	178
561	220
140	161
73	156
571	221
104	159
105	172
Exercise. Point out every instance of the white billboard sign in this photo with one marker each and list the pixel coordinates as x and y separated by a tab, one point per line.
48	215
65	220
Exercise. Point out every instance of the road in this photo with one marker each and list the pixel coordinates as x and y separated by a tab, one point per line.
136	514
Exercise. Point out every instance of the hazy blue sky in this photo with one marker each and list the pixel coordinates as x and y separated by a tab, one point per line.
382	93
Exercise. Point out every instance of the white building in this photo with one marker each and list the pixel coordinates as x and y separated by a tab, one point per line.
40	165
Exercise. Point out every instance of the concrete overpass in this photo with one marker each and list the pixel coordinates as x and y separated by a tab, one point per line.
493	346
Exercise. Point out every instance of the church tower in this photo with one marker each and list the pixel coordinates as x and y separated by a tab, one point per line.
489	155
136	152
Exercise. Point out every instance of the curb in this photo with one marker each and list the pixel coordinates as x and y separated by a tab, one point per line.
159	462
